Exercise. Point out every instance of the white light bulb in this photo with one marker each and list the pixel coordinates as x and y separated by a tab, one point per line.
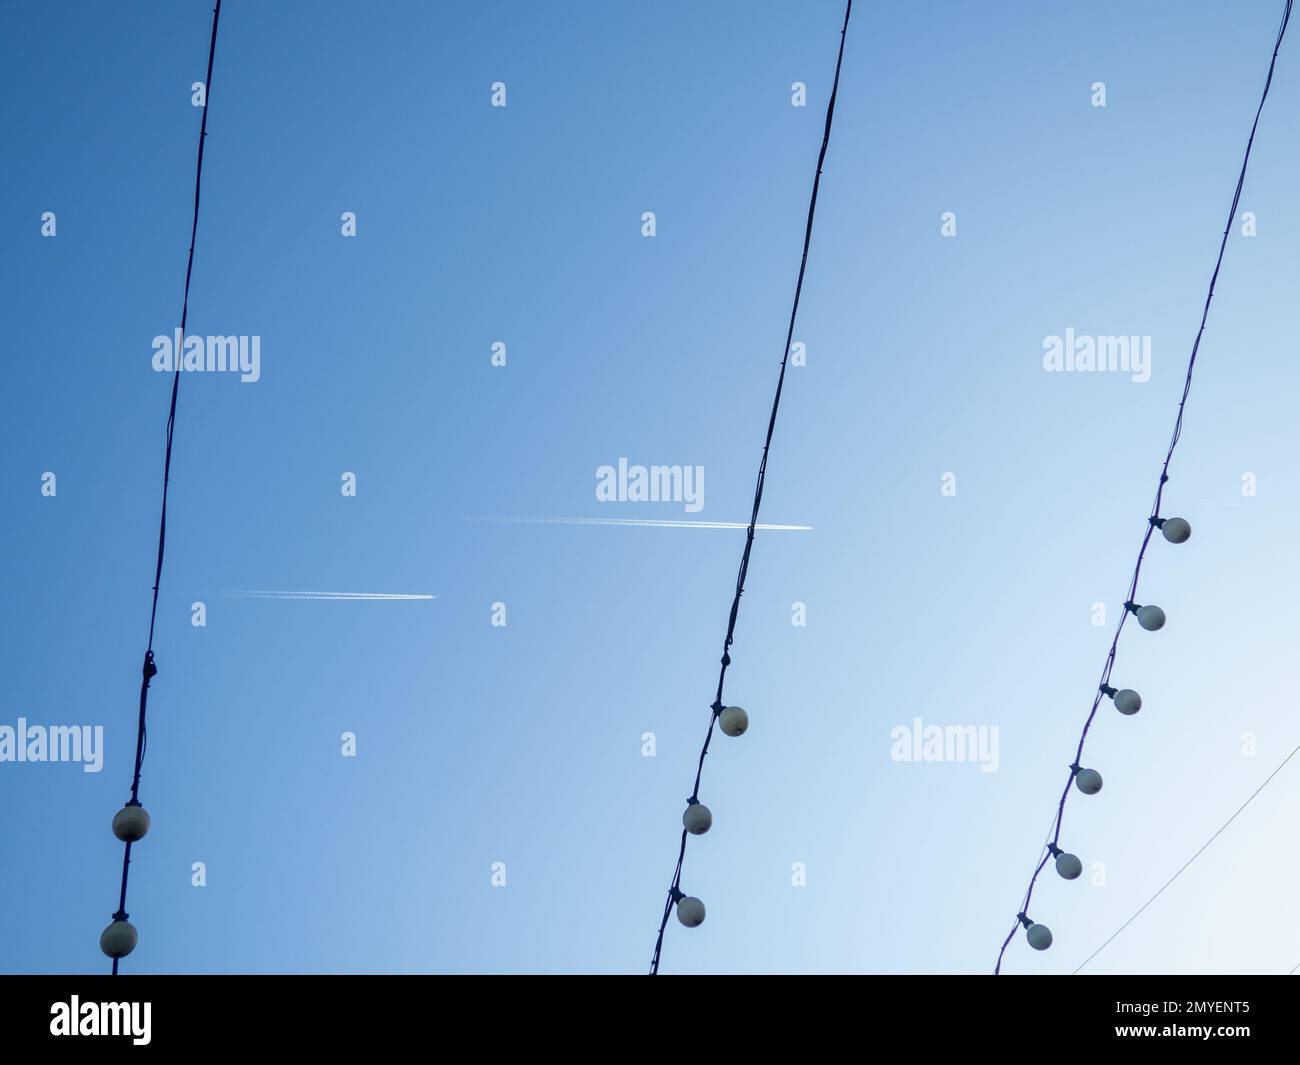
1069	866
1039	936
697	819
733	721
1088	781
131	823
690	911
1127	701
1176	530
118	939
1151	618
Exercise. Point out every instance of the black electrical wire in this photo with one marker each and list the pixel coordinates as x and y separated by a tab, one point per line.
1164	478
150	669
674	887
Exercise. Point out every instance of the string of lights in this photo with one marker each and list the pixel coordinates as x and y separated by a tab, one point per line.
131	823
732	720
1152	618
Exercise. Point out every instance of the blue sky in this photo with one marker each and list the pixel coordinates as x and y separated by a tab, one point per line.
522	744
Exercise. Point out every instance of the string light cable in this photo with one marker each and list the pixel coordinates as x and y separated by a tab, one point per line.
732	720
131	823
1149	617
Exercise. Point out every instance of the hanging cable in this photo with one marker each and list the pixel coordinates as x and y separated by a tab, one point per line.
132	821
732	719
1152	618
1201	850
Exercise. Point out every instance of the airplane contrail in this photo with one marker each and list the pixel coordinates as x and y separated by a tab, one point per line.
331	596
664	524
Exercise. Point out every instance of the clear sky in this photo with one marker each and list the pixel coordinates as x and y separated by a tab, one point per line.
479	744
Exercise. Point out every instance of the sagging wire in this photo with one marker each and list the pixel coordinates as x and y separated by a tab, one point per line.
1151	618
132	821
733	721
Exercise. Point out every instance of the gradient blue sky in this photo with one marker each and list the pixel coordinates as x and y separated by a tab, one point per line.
523	745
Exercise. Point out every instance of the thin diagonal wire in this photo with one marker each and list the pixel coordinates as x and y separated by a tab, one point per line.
1164	477
142	732
674	887
1189	861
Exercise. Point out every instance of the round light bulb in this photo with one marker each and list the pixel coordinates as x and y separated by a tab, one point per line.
697	819
1151	618
1039	936
118	939
733	721
1127	701
690	911
1069	866
1176	530
131	823
1088	781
